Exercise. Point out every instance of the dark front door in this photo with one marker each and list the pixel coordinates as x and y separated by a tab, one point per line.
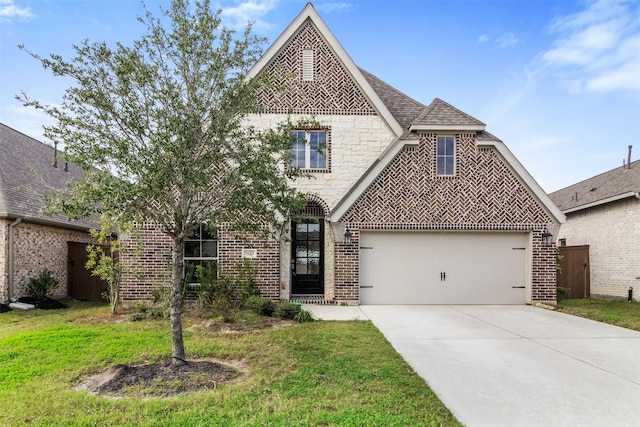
307	258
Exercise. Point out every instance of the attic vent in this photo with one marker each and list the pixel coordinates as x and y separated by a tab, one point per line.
307	65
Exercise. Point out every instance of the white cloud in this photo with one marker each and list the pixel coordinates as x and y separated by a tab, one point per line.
507	40
483	38
8	10
249	11
598	49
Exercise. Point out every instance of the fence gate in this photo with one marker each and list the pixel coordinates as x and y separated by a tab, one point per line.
574	272
80	283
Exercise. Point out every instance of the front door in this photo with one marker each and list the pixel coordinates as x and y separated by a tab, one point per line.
307	258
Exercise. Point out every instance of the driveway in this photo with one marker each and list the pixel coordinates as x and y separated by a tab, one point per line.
519	365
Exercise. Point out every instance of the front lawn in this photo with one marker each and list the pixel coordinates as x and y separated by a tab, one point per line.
619	313
311	374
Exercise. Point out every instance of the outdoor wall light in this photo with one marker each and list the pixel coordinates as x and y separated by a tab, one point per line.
347	236
547	238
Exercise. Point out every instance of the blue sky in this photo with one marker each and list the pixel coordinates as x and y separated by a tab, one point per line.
557	81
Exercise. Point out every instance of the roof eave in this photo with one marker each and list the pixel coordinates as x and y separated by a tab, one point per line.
615	198
446	128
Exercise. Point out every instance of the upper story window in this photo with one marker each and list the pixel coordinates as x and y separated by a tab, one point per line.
201	248
445	155
309	150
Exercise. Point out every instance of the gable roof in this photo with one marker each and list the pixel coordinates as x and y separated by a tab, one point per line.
27	174
441	116
309	13
616	184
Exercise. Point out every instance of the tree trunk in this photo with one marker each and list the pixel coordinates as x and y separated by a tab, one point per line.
175	305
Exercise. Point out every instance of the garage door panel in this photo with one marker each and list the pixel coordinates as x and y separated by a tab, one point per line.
442	268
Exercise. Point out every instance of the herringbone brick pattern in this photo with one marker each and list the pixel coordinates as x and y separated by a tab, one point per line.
332	90
483	193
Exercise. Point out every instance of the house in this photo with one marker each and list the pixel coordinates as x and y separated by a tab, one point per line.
603	212
408	203
29	240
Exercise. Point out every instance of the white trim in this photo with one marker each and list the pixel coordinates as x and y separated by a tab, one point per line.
604	201
457	128
310	13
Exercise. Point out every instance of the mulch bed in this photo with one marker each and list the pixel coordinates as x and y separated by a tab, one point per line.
159	380
45	304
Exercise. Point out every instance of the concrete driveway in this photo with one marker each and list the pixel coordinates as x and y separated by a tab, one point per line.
519	365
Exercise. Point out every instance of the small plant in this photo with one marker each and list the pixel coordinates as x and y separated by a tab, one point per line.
288	310
261	306
42	286
562	293
303	316
246	279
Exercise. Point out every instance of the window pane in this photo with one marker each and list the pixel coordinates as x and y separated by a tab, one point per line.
301	250
195	235
208	234
301	266
209	249
449	166
191	249
313	266
449	145
441	146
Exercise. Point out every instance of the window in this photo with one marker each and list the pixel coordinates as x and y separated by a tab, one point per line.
445	155
309	151
201	248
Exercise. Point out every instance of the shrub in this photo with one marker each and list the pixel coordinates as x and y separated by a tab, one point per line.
304	316
562	293
288	310
41	287
261	306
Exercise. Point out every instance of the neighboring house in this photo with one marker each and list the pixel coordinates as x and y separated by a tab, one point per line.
604	213
30	241
408	203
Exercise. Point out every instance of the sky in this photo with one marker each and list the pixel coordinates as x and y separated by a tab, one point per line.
557	81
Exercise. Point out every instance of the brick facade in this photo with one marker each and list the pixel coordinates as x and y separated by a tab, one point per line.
612	232
152	269
38	247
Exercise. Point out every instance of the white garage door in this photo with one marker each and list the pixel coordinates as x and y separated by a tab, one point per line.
442	268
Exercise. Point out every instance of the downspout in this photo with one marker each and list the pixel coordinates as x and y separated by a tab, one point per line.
11	257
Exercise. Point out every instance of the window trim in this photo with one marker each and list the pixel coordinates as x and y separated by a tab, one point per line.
307	155
445	156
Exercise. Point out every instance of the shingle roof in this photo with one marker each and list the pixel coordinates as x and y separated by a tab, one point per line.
608	185
403	108
27	174
442	113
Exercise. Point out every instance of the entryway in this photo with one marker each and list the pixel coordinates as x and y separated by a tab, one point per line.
307	256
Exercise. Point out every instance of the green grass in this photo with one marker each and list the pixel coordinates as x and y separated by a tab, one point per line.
619	313
311	374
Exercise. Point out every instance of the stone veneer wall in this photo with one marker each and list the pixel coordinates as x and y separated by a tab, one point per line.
39	247
612	232
4	260
356	142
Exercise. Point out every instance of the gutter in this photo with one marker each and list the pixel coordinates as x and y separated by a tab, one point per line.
11	258
628	194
